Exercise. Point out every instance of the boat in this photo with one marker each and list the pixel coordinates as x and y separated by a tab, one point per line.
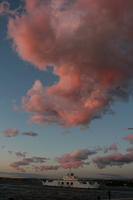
71	181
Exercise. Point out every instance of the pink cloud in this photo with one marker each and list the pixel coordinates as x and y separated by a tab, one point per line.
129	138
11	132
75	159
116	159
88	43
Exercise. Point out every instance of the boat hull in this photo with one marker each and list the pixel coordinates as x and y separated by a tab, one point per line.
71	184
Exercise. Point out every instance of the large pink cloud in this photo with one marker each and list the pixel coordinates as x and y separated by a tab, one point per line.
89	43
116	159
75	159
129	138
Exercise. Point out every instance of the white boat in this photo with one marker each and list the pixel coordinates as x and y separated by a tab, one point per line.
71	181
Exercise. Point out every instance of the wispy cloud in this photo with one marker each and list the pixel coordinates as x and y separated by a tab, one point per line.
112	147
19	165
18	154
30	133
46	167
13	132
21	154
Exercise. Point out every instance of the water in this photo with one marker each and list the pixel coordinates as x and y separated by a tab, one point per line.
21	189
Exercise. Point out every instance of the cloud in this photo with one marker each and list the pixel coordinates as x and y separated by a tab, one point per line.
17	166
15	132
38	159
115	159
11	132
30	133
90	46
112	147
129	138
75	159
27	161
46	167
20	154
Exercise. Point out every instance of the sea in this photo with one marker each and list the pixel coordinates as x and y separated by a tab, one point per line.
32	189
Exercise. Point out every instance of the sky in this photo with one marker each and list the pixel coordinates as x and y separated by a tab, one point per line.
66	88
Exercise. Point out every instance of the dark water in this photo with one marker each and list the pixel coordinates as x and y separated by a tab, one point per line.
26	190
